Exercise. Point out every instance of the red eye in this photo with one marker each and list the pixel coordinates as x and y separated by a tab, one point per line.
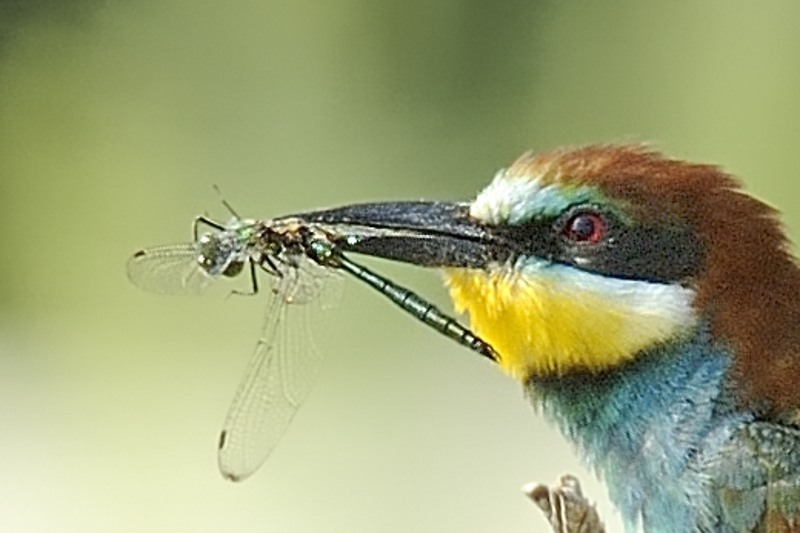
585	227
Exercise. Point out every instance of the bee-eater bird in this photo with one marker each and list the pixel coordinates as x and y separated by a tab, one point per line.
650	308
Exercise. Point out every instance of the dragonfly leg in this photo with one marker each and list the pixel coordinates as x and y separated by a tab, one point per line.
268	266
253	279
202	219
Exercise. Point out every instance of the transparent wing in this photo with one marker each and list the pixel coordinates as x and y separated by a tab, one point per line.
281	371
168	269
318	284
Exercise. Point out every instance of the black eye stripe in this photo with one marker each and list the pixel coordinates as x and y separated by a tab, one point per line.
654	253
657	253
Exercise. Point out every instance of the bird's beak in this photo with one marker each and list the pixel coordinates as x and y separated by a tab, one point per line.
431	234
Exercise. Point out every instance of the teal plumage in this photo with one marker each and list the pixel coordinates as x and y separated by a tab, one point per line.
664	433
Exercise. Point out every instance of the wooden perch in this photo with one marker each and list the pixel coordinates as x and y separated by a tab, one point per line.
565	507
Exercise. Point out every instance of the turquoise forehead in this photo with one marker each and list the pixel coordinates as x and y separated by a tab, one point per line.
513	199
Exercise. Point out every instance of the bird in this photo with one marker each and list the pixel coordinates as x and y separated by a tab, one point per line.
650	308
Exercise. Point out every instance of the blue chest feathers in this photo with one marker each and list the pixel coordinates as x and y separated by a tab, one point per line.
647	426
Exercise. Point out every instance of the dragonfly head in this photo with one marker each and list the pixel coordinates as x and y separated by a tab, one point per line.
220	254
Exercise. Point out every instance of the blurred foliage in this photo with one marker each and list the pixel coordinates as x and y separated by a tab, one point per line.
16	15
121	114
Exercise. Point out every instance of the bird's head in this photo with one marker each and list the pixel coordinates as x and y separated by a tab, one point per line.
583	259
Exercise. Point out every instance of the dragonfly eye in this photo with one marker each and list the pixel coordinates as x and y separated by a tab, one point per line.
215	256
234	268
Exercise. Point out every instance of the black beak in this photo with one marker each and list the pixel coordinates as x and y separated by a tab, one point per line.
431	234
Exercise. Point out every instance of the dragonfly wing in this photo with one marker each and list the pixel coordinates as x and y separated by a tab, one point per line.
168	269
320	289
279	377
315	284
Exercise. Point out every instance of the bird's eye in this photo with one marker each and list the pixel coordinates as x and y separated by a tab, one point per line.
586	226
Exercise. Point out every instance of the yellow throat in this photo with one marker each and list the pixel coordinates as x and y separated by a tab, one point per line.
552	319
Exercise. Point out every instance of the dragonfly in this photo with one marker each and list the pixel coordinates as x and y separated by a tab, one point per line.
300	259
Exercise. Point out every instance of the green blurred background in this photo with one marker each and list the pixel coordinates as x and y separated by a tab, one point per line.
116	118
